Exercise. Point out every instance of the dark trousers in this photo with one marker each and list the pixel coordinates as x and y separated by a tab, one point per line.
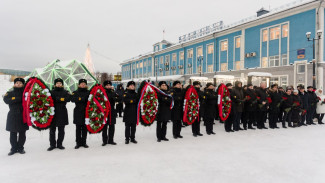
81	134
119	109
111	131
161	129
236	122
310	114
303	119
209	125
53	141
273	119
249	119
261	117
320	117
196	127
286	117
130	129
228	122
177	127
17	143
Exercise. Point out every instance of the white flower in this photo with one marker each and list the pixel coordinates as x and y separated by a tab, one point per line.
46	90
90	96
26	94
105	99
48	94
52	109
33	119
87	121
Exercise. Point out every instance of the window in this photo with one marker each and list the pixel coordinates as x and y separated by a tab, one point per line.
301	68
189	70
144	63
238	65
237	42
210	49
284	81
224	67
274	80
161	60
140	64
265	35
264	62
285	30
190	53
181	71
181	55
275	33
199	51
167	59
274	61
224	45
199	69
284	59
210	68
174	57
156	61
174	72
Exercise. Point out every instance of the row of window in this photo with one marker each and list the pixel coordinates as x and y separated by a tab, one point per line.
274	32
274	61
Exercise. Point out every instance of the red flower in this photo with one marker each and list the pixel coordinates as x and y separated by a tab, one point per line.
258	98
41	109
91	109
269	99
41	115
284	98
39	102
96	118
46	108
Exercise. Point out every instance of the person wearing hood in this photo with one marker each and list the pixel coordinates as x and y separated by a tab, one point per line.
196	125
177	111
210	112
130	99
119	106
60	97
262	105
80	98
312	102
108	136
320	110
238	99
15	124
164	112
250	107
230	119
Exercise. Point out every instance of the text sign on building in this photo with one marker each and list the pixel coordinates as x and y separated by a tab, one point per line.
301	53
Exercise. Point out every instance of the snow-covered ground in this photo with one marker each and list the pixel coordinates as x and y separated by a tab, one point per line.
261	156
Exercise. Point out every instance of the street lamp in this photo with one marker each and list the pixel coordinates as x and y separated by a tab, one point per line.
200	59
319	35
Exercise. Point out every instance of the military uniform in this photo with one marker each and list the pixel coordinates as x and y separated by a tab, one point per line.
177	111
210	113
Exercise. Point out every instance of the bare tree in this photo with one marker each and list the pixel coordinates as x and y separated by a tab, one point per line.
104	77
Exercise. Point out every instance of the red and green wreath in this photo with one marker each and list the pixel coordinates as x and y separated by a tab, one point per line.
97	110
148	105
191	106
224	102
38	107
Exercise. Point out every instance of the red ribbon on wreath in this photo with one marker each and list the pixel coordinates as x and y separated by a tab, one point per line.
224	102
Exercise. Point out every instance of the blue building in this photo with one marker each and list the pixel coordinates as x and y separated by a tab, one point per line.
270	45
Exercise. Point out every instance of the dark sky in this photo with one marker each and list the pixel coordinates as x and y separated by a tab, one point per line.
35	32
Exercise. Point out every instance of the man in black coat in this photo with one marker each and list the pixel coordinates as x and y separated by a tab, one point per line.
112	98
210	111
229	120
304	99
287	105
196	124
119	106
60	97
15	124
130	99
250	107
262	105
164	112
274	109
177	111
237	97
80	98
312	103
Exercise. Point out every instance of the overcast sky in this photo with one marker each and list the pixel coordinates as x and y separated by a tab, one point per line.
35	32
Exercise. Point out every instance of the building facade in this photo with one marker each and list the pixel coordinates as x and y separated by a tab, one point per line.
272	41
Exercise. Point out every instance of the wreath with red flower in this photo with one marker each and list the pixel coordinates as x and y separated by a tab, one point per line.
224	102
191	106
148	105
97	110
38	107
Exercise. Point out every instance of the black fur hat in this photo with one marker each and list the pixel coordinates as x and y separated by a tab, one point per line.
161	83
19	79
58	80
130	83
107	83
176	82
197	83
82	81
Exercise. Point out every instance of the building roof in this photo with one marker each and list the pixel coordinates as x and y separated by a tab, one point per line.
14	72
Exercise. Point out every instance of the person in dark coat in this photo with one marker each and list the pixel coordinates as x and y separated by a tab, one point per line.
287	105
210	112
296	109
250	107
262	105
164	112
312	102
80	98
60	97
130	99
237	97
229	120
177	111
119	106
196	124
15	124
274	109
111	120
304	99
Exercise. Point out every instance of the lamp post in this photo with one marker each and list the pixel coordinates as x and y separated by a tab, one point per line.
319	35
156	66
200	59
